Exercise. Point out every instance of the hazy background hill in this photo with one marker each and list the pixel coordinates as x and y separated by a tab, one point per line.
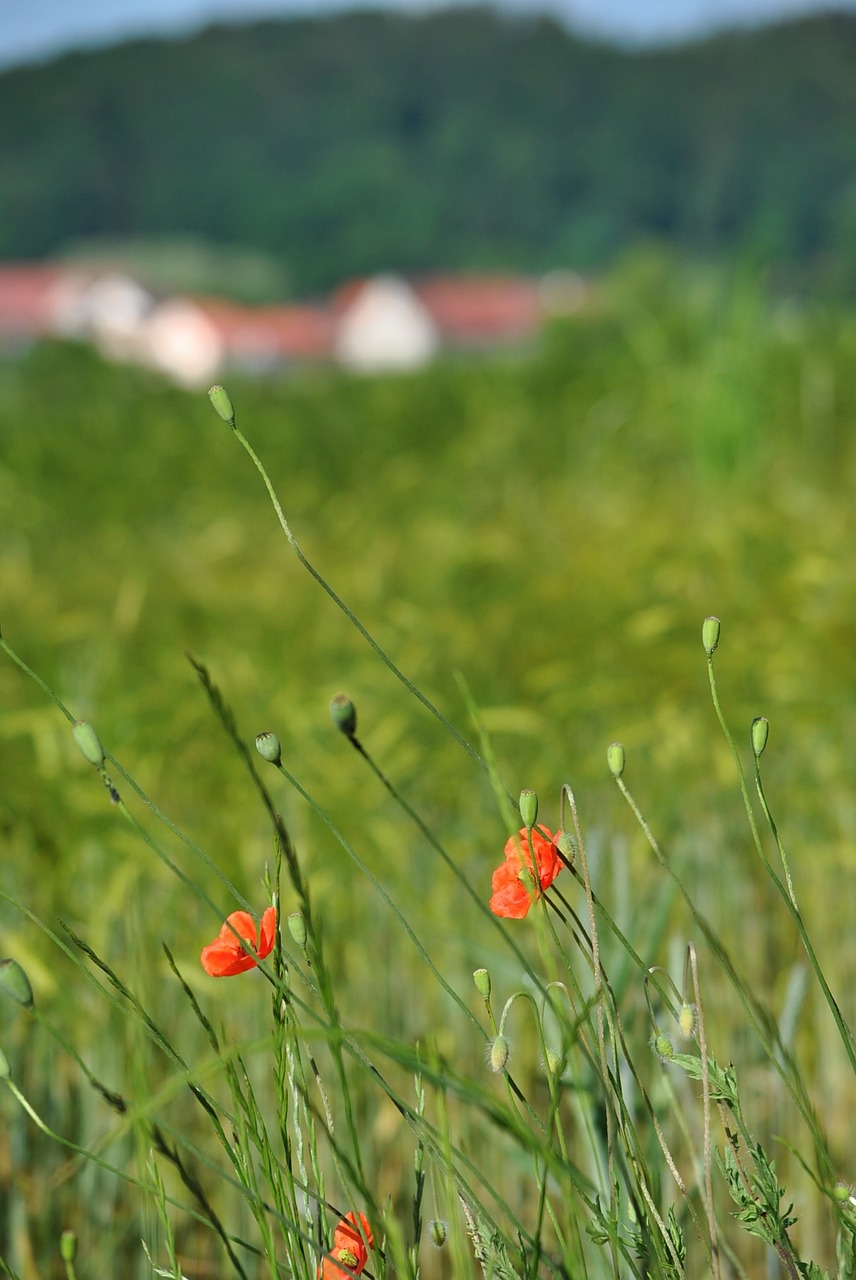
460	139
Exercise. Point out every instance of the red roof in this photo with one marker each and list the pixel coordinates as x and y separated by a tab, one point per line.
288	332
26	298
481	309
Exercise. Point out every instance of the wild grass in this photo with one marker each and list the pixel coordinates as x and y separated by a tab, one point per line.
534	544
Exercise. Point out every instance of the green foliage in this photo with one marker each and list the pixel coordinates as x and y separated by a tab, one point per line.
460	139
554	529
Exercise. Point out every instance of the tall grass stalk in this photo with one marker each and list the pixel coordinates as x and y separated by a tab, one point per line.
548	1136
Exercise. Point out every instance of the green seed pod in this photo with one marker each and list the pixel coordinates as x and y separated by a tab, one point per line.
87	739
68	1245
760	733
439	1231
710	634
344	714
5	1069
528	808
481	978
14	981
498	1056
267	745
615	758
297	928
222	403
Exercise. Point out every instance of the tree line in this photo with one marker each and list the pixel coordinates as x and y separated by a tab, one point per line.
458	139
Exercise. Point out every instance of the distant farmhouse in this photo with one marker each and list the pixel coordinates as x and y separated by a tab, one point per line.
381	324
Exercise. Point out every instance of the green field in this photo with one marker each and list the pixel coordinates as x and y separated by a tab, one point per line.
537	536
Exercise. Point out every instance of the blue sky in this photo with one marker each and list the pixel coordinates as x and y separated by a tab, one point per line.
38	28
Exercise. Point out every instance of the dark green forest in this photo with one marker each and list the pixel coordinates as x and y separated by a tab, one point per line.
457	139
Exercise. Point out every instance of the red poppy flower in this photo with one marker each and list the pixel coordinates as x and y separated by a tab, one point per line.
225	956
350	1249
517	882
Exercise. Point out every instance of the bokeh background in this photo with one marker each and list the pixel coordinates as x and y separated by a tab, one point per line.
536	518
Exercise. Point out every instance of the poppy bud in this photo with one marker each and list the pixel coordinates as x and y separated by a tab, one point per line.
87	739
760	733
663	1047
439	1232
552	1061
615	759
481	978
567	846
15	983
528	805
267	745
710	634
68	1245
498	1055
222	402
5	1069
687	1020
297	928
344	714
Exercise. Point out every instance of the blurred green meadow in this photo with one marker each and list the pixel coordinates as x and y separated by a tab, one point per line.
535	535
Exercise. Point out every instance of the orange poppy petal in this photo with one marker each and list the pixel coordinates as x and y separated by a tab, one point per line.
267	932
224	959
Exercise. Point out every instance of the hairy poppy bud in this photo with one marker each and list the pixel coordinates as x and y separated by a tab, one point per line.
481	978
297	928
687	1020
222	402
68	1245
498	1055
344	714
663	1047
87	739
528	808
553	1062
439	1232
615	758
14	981
710	634
567	846
760	733
267	745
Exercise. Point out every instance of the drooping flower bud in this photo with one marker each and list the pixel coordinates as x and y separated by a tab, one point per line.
710	634
68	1245
267	745
222	402
663	1047
481	978
528	808
439	1232
297	928
87	739
687	1020
760	733
498	1055
14	981
344	714
567	846
615	758
553	1062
